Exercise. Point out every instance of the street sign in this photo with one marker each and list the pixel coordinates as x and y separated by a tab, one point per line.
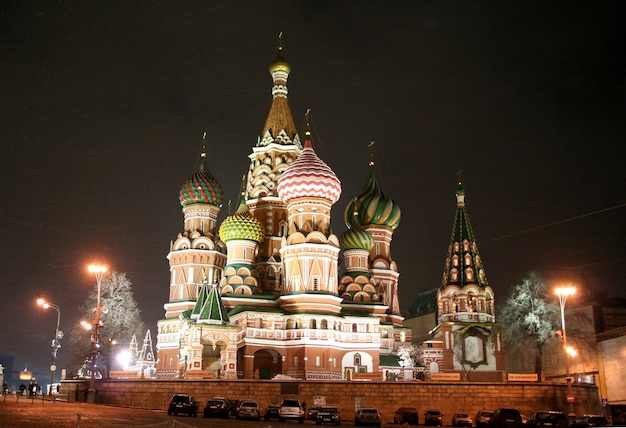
570	398
53	368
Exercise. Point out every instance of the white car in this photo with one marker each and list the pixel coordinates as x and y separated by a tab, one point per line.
249	409
291	409
462	420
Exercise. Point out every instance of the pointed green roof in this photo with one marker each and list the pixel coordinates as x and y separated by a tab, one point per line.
463	264
209	307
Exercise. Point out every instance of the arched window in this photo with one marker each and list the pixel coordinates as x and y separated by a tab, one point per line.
318	360
298	323
289	324
324	325
354	328
295	361
313	323
357	359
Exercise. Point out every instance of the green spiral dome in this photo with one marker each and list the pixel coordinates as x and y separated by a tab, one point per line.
356	238
374	206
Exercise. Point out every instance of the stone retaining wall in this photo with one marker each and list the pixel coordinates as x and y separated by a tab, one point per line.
386	396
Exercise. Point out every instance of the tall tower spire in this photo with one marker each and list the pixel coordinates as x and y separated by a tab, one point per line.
465	302
277	148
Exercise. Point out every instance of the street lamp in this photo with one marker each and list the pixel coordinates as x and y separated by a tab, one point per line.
563	293
98	271
58	335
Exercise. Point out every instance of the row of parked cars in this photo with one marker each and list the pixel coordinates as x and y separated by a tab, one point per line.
500	418
221	407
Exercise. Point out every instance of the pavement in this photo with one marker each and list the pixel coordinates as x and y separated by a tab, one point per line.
38	413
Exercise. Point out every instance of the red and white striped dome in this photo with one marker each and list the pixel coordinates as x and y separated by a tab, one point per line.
309	176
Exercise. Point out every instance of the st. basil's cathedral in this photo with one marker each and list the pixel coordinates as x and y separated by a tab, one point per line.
261	295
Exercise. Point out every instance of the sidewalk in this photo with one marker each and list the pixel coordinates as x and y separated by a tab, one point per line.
38	413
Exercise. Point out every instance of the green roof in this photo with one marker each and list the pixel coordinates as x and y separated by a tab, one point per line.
388	361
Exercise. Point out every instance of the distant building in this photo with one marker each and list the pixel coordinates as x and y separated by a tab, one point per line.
261	294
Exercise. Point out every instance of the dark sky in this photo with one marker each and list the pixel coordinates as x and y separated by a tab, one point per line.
103	106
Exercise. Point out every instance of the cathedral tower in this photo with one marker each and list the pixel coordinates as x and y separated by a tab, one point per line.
310	251
465	301
277	147
196	257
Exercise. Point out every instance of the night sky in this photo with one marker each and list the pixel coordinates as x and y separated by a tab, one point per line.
104	105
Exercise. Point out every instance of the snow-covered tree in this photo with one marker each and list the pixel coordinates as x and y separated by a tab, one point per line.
406	355
530	317
120	317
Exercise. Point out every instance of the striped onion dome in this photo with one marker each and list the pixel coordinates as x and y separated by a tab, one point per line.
201	187
242	225
309	176
375	208
356	238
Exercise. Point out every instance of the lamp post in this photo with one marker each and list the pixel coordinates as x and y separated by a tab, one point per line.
563	293
98	271
58	335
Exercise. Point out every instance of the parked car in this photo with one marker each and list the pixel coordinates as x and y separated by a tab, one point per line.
547	418
328	415
408	415
312	413
482	418
433	418
183	403
291	409
462	420
590	421
249	409
505	418
271	412
217	406
368	416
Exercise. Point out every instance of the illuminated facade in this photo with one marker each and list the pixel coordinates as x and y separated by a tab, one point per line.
262	296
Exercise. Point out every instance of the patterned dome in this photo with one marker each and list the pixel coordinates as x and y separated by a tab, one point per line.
202	187
375	208
356	238
309	176
242	225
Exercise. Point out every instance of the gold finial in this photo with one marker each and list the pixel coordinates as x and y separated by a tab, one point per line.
459	178
371	147
203	154
307	117
280	41
242	190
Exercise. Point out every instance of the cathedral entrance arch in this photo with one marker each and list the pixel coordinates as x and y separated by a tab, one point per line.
267	363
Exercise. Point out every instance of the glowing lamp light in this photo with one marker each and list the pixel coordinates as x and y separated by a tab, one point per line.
124	359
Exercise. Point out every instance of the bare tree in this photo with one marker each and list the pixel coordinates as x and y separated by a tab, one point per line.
530	317
120	318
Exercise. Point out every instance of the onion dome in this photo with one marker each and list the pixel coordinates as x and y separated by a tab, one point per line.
375	207
242	225
280	63
202	187
356	238
309	176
